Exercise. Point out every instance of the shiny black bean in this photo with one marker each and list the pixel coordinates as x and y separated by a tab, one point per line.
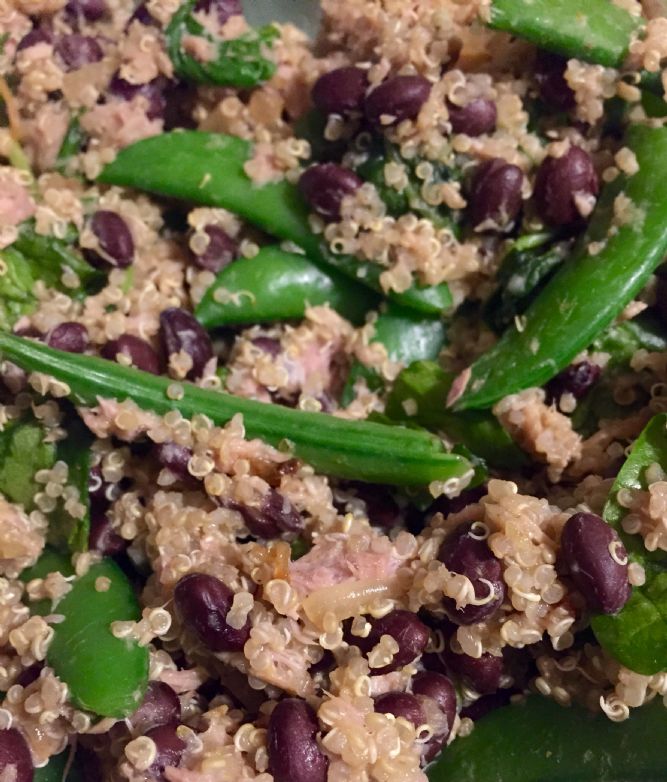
223	8
475	118
404	627
481	674
114	238
486	704
140	353
174	457
220	251
103	537
181	331
439	688
78	50
35	36
294	754
577	379
397	99
597	562
15	760
550	77
275	515
160	706
381	507
463	553
153	91
340	91
142	14
203	603
69	336
324	186
401	704
90	10
495	194
559	181
169	749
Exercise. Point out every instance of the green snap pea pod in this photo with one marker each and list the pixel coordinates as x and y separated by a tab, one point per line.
105	674
350	449
240	62
540	741
207	169
278	285
72	143
598	31
417	396
589	290
637	635
23	453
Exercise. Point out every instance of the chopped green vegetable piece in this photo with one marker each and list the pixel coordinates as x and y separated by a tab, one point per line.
23	453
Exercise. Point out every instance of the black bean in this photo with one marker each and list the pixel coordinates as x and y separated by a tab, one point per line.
181	331
90	10
29	675
462	553
486	704
550	77
15	759
326	662
174	457
397	99
340	91
220	251
439	688
559	180
495	194
597	562
35	36
275	515
401	704
381	507
160	706
324	186
447	505
114	238
481	674
223	8
153	91
294	754
269	345
78	50
475	118
103	537
142	14
169	749
203	603
577	379
69	336
140	353
404	627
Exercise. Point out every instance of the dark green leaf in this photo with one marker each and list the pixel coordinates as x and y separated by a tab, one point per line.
72	144
23	453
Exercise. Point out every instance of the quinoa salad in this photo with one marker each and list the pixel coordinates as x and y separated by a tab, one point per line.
333	391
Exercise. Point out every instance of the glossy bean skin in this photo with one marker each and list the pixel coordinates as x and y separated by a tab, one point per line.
152	91
69	336
114	238
203	603
174	457
486	704
275	515
78	50
90	10
577	379
482	674
409	632
438	687
474	118
462	553
141	354
397	99
220	252
592	553
294	754
224	8
103	537
15	760
180	331
553	88
160	706
495	194
340	91
35	36
169	749
324	186
559	180
401	704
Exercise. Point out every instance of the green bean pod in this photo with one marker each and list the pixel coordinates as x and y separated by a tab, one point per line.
597	31
350	449
207	169
277	285
589	290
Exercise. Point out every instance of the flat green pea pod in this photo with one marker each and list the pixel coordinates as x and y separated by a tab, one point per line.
208	169
637	635
276	285
540	741
417	396
239	62
105	674
609	266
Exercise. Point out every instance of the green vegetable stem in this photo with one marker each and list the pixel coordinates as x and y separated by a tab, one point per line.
540	741
351	449
240	62
277	285
610	265
637	635
207	169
